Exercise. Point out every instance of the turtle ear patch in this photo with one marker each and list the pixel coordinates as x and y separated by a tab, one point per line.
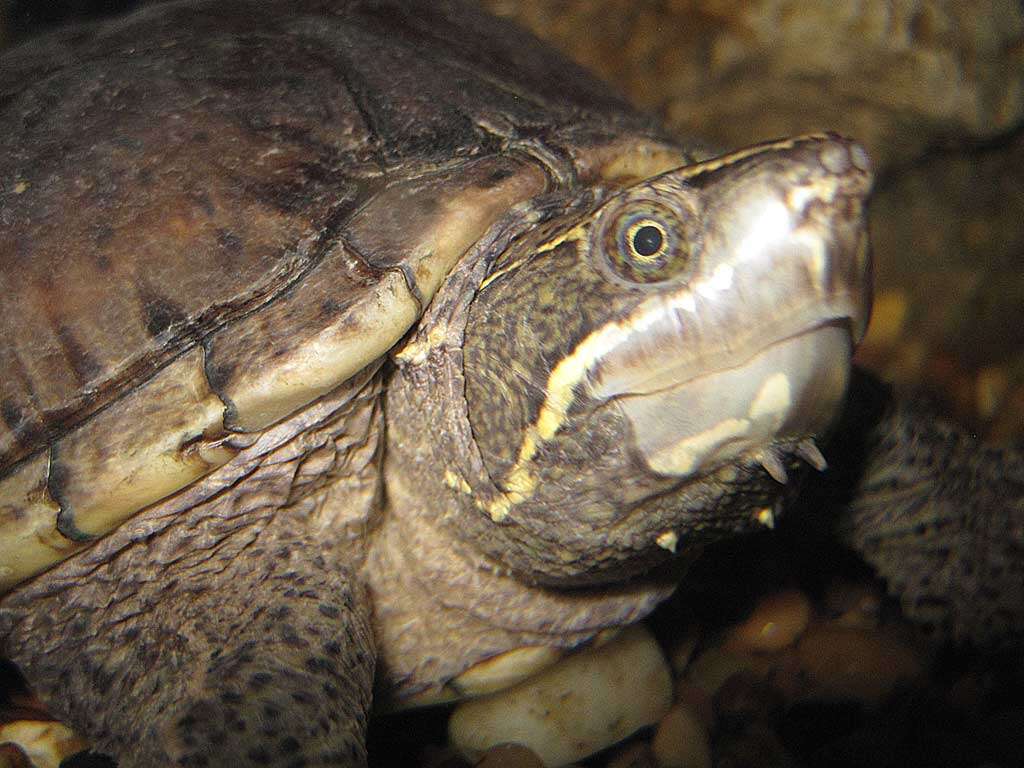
644	242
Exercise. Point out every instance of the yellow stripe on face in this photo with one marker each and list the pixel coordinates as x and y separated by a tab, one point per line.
576	233
560	389
735	157
522	480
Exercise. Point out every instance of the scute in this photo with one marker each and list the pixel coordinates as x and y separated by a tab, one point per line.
179	219
29	540
365	293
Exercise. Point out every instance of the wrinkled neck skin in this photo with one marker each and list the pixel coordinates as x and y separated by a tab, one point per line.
445	594
602	508
443	597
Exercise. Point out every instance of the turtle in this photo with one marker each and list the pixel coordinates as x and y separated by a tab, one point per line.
352	347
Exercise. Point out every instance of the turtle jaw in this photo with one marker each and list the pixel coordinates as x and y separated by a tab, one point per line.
786	393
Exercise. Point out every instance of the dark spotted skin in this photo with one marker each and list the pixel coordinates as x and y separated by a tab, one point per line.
521	323
275	671
185	672
937	514
941	518
222	628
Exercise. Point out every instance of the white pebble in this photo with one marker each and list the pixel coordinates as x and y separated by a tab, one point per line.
681	740
584	704
45	742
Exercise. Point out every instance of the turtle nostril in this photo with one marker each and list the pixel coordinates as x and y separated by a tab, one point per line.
848	160
860	157
835	158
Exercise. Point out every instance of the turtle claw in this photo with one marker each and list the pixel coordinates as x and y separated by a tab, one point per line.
766	517
809	452
772	463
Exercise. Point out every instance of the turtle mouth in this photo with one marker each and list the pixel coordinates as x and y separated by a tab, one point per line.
664	353
783	393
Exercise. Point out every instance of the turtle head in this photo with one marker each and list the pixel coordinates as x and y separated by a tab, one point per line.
757	282
639	375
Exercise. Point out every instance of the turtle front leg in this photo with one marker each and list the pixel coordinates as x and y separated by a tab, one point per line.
936	513
220	659
941	518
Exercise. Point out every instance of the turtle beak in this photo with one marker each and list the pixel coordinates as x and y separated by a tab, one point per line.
753	351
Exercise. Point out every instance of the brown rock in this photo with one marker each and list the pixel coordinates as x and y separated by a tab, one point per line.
898	77
681	740
845	662
777	621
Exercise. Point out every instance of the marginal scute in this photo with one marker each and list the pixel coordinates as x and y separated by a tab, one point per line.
326	329
151	443
366	293
425	224
29	539
630	160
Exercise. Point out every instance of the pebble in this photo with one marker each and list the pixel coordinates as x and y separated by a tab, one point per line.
888	317
505	670
681	740
848	662
590	701
714	666
45	742
776	622
991	388
854	604
786	676
696	699
509	756
635	755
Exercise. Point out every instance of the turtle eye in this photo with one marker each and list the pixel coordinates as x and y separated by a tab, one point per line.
647	243
647	240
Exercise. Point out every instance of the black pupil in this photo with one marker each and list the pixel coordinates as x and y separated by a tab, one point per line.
647	240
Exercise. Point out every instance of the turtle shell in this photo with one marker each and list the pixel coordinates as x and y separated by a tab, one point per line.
214	215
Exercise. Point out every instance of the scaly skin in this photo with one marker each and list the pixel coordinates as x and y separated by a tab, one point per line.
937	513
222	628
